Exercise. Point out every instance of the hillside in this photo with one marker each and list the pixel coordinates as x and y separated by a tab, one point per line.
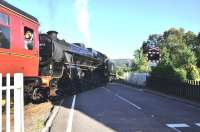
122	62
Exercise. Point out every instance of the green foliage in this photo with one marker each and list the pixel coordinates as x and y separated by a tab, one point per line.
165	57
120	72
173	37
180	54
183	56
181	73
127	69
191	40
141	62
165	71
174	50
168	71
192	72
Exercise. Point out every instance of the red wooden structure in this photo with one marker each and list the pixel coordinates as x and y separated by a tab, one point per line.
19	42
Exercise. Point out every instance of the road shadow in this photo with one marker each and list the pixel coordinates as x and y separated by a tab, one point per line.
98	110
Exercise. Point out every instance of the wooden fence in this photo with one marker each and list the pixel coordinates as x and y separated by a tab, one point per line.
18	102
187	89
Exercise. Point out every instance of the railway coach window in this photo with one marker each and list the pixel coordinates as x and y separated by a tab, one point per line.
28	38
4	37
4	19
4	31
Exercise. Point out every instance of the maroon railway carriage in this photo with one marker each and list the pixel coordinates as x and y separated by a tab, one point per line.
19	44
15	55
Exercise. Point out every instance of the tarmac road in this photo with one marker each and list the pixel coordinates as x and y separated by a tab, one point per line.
121	108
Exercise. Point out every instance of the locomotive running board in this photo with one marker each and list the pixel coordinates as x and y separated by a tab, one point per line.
76	65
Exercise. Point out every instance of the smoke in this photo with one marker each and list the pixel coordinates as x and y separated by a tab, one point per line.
52	12
83	19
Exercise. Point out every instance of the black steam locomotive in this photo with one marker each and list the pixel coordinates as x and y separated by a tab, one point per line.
69	66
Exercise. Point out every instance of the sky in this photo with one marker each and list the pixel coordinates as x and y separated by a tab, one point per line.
114	27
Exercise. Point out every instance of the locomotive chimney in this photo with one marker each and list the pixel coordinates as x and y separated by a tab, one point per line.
52	35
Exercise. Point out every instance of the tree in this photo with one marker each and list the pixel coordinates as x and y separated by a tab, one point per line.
174	36
182	56
196	49
153	41
191	40
165	57
175	49
178	50
141	62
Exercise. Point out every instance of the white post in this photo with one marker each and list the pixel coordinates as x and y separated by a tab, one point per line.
8	102
18	103
1	102
21	84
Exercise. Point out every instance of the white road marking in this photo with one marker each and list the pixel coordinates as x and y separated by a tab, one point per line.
51	119
175	126
122	98
198	124
108	90
70	120
129	102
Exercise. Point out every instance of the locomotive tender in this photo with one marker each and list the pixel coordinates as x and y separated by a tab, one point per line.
44	59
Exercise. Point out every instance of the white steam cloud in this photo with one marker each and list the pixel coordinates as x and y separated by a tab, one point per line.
83	19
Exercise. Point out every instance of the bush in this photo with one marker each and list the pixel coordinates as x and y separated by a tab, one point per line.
181	73
192	72
120	72
165	71
141	62
168	71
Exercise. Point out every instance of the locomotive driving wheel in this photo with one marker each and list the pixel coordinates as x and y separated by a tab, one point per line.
39	95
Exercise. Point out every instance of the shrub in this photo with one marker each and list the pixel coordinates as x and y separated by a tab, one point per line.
141	62
165	71
181	73
120	72
192	72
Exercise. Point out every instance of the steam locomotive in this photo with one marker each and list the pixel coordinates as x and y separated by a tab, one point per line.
45	60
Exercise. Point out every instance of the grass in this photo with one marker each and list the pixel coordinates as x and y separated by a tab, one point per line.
11	104
3	102
40	124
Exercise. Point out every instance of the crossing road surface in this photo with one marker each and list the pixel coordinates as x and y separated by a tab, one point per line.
121	108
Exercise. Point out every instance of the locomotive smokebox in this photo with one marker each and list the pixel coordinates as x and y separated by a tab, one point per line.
52	35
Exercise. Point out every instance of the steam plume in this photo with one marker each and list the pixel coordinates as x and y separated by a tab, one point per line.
52	12
83	19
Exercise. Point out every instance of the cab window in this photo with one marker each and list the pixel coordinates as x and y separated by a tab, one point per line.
4	19
4	31
28	38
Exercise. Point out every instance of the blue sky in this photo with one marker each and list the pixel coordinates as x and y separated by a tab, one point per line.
114	27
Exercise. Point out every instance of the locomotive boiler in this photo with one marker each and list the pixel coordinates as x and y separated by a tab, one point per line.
60	60
56	55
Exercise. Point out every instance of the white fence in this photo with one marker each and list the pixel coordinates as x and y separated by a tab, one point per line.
18	102
136	78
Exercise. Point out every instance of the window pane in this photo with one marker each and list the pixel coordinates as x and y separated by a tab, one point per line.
4	37
28	38
4	19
